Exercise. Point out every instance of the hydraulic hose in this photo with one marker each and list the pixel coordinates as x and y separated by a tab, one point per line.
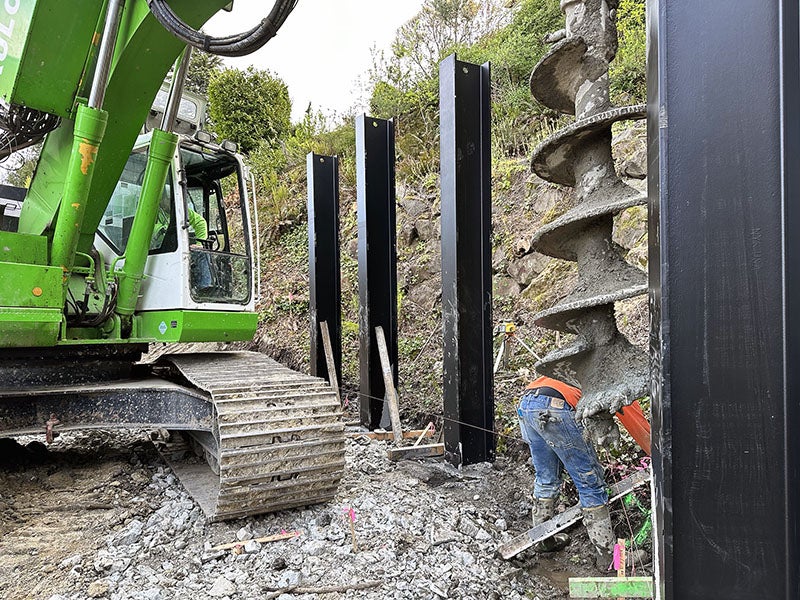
239	44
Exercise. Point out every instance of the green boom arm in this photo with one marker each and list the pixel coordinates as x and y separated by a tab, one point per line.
144	53
48	54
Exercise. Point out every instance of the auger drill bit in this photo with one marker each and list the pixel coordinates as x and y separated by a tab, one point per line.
573	79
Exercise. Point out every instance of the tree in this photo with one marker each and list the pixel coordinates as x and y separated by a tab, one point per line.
201	67
628	71
439	27
20	166
249	107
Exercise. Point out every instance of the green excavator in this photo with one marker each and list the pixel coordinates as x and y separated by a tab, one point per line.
137	228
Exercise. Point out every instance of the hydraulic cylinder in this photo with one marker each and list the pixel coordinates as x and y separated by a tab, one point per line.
159	158
90	126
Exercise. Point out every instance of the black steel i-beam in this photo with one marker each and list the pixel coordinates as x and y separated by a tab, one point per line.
377	260
464	103
724	189
325	293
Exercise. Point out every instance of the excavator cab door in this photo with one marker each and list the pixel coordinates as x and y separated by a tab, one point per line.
217	224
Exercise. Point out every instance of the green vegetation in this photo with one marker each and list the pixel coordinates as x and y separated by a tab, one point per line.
628	71
249	107
252	107
202	67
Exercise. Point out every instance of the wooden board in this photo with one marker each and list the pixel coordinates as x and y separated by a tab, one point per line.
388	435
610	587
422	451
542	531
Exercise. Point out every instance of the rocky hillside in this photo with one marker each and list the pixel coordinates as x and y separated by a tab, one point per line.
524	282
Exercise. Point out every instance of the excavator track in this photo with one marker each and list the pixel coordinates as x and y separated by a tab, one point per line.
277	438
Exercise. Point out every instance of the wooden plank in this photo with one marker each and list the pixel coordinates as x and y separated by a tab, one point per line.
572	515
326	344
388	383
610	587
262	540
381	435
423	451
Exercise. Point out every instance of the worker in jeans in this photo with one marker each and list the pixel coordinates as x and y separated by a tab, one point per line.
556	440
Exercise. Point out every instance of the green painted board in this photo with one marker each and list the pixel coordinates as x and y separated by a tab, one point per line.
21	248
196	326
30	286
610	587
29	327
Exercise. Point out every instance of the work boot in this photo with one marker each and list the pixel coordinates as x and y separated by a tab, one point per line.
601	534
544	509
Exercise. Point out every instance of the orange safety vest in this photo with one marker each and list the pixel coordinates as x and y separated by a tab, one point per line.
571	394
632	417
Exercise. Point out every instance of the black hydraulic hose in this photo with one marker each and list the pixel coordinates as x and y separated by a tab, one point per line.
238	44
21	127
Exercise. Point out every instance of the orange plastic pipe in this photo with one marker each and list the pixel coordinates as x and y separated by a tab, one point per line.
633	419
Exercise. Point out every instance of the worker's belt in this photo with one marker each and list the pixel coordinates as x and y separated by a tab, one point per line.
557	400
546	391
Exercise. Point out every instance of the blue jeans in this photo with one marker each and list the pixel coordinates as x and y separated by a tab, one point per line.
556	440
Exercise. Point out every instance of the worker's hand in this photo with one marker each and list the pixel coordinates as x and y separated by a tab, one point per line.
591	405
618	402
602	430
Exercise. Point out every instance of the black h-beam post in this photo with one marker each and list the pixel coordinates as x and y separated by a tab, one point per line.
325	293
464	103
377	260
724	189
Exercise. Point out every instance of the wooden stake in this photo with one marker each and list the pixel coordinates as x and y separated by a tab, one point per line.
622	559
350	515
424	434
326	344
388	383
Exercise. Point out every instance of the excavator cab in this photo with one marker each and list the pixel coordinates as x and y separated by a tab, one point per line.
201	254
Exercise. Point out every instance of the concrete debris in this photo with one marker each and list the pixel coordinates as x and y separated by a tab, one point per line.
222	587
425	530
98	589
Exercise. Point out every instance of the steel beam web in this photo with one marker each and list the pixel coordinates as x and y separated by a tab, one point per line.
325	293
464	97
377	260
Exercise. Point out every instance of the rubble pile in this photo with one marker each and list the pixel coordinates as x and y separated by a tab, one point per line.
402	530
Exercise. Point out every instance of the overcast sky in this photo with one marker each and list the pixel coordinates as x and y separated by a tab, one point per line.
322	49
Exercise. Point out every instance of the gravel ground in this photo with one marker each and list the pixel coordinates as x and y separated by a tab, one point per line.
100	515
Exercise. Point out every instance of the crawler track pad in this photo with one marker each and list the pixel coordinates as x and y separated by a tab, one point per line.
277	441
